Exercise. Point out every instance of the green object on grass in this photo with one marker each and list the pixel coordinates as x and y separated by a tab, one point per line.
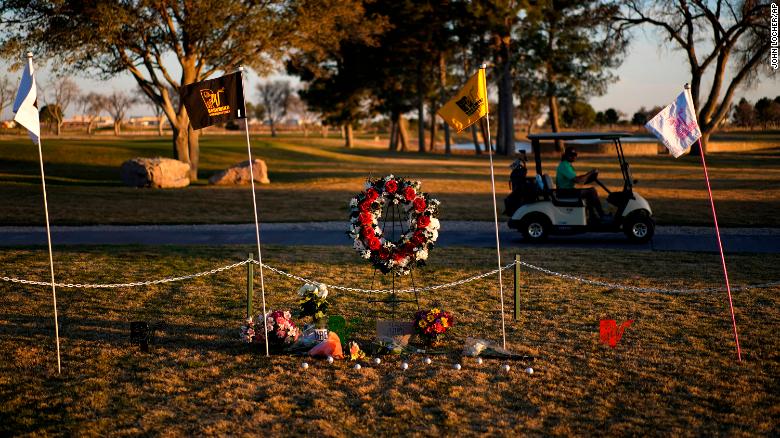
337	323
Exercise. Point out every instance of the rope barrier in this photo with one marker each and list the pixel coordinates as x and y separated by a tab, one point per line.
422	289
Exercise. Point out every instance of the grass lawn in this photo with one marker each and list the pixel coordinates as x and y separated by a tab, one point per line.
674	372
312	180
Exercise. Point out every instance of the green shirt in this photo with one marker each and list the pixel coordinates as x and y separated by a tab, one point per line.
565	175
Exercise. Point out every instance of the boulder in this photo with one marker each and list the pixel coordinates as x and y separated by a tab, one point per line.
238	174
160	173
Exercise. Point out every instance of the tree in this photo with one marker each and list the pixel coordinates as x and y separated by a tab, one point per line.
159	113
768	111
92	104
51	115
63	92
715	36
306	117
744	114
529	111
611	116
275	96
117	105
640	117
578	114
568	50
152	40
7	93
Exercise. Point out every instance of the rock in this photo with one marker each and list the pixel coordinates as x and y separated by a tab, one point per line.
239	174
161	173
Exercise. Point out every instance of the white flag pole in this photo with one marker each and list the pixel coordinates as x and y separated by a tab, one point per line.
48	239
495	207
254	209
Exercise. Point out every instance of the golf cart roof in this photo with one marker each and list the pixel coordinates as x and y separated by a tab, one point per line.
578	135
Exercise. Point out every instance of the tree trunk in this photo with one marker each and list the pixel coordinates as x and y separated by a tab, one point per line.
305	130
554	124
181	147
193	137
59	127
117	128
447	145
348	135
434	125
273	127
160	124
420	124
393	144
90	127
324	131
477	148
403	134
506	107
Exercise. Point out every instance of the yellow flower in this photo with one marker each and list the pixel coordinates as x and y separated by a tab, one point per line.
435	310
430	318
422	323
444	321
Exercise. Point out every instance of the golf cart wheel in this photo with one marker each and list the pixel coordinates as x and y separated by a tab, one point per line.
639	227
535	227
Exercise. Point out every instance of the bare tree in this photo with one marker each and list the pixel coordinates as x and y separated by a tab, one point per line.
159	112
92	104
7	92
64	92
714	35
275	96
118	104
306	116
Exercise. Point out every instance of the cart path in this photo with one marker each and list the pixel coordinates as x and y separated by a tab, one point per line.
456	233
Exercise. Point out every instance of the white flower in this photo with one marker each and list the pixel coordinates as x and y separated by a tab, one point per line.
434	235
422	254
322	291
367	185
434	225
287	315
365	254
307	288
353	202
389	177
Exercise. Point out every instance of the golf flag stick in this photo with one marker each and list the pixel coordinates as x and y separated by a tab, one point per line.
51	259
720	246
495	210
254	209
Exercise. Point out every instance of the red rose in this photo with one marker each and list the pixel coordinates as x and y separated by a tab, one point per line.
391	186
367	231
418	239
374	243
409	193
419	204
423	221
372	194
365	218
398	256
365	205
384	254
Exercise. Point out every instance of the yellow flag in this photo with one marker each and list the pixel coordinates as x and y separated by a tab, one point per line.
469	105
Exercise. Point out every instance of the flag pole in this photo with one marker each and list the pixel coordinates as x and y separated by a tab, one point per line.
495	207
48	240
720	246
254	209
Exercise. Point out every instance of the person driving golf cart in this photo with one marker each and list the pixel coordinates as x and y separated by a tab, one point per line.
566	178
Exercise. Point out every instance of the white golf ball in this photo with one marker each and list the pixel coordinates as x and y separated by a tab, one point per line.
529	370
357	366
479	361
456	367
304	365
506	368
404	366
427	361
330	359
377	361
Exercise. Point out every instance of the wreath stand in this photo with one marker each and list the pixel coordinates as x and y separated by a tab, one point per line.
397	228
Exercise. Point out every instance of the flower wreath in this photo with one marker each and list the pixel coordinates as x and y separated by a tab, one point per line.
412	248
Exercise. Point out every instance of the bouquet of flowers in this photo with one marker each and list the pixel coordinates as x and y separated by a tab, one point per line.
281	329
313	302
431	324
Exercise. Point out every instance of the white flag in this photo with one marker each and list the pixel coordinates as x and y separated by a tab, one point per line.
26	104
676	125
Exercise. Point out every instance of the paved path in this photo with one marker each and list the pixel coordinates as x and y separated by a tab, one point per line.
473	234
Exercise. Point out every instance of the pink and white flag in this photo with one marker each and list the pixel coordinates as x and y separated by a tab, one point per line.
676	125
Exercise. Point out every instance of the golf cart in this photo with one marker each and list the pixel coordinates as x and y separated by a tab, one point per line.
542	212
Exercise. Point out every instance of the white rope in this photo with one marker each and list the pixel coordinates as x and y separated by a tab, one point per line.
422	289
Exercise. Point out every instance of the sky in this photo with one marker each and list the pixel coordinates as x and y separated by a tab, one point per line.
651	74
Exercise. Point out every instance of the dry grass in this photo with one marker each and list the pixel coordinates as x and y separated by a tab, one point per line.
312	179
673	373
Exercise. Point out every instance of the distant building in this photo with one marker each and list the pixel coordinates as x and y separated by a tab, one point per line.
83	120
146	121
